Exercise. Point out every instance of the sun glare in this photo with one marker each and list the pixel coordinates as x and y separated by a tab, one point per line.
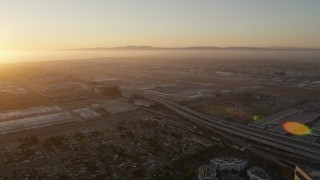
4	56
14	56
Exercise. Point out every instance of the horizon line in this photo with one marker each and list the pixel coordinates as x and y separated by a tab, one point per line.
146	47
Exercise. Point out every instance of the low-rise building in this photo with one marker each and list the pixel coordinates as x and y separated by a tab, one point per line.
256	173
206	172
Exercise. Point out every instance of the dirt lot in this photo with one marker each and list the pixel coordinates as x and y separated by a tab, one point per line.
237	109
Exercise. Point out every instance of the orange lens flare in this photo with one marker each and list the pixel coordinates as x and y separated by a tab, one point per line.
296	128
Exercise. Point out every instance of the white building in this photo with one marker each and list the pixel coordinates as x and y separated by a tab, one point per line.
256	173
228	163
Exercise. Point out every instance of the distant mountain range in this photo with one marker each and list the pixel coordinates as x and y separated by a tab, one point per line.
131	47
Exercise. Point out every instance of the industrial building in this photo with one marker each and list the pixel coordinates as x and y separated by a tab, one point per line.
106	90
27	112
34	122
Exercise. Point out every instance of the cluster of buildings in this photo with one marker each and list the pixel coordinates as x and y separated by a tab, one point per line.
101	86
11	89
17	154
230	164
130	145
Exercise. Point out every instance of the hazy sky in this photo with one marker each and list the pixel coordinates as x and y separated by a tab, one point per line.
59	24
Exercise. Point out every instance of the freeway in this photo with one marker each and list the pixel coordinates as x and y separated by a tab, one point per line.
315	146
310	151
257	133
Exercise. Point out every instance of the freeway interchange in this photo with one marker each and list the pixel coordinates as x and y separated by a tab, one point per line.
301	151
